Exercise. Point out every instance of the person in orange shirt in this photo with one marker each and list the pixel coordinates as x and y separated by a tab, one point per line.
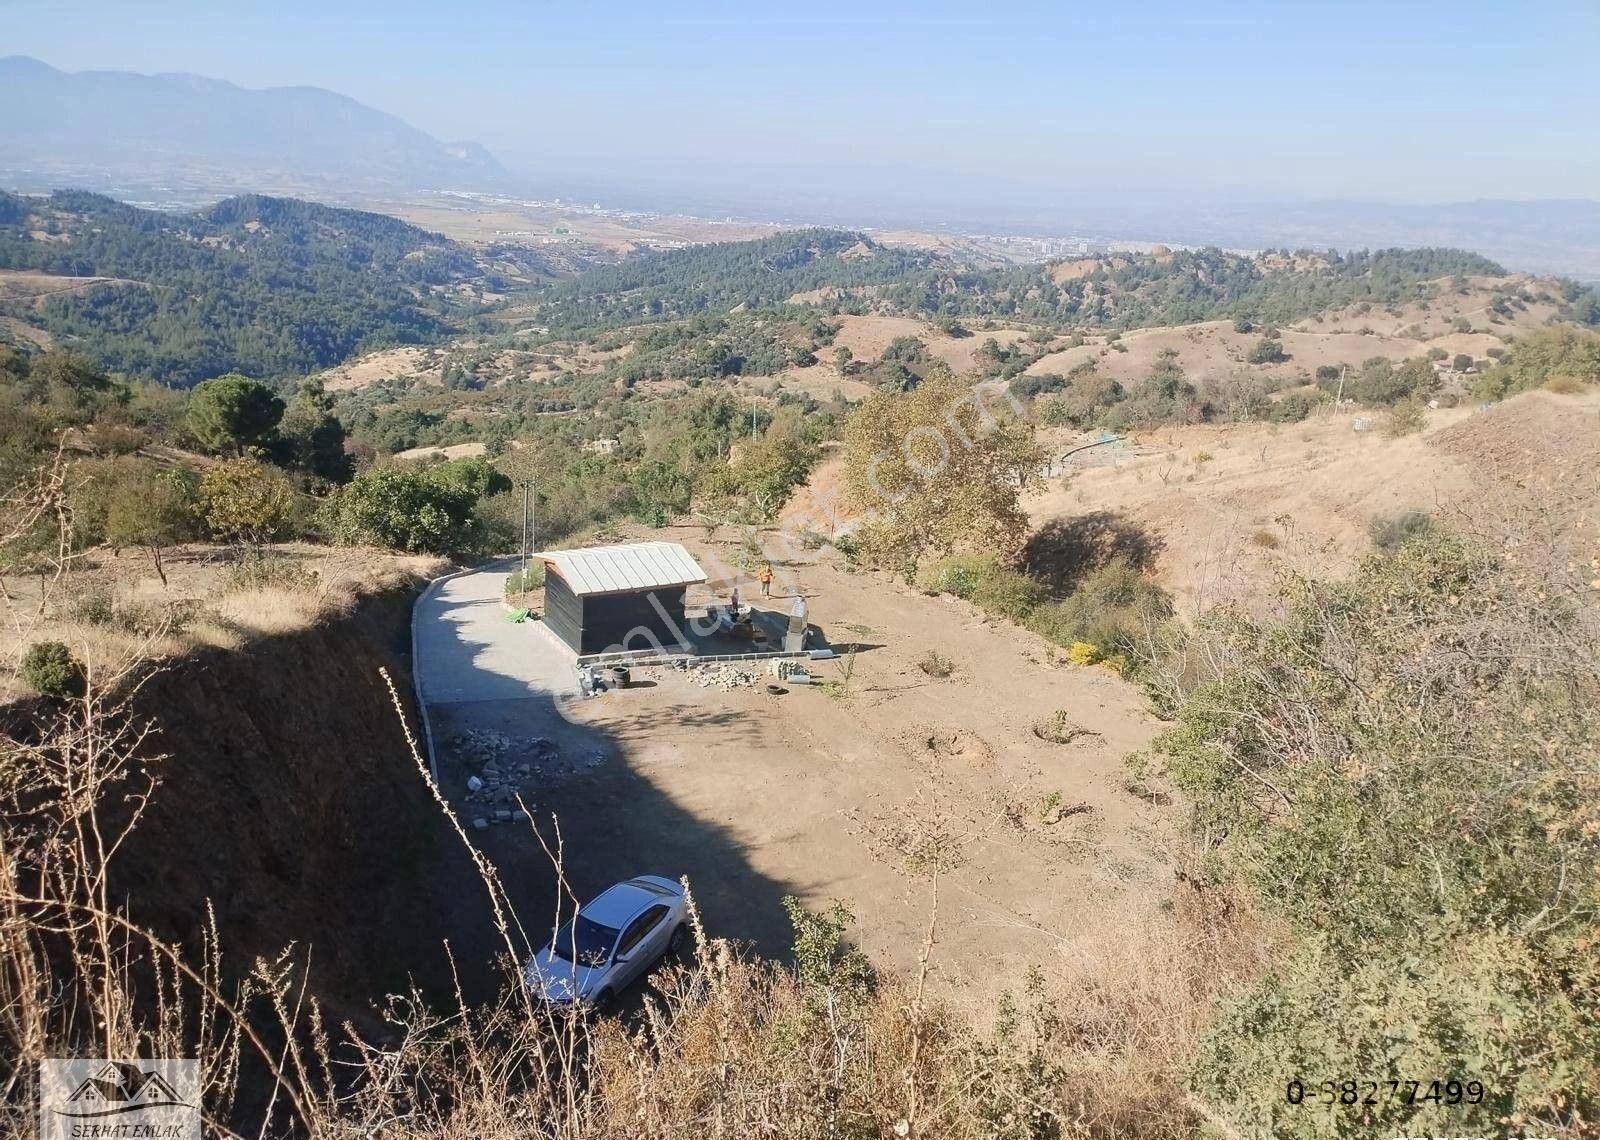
765	578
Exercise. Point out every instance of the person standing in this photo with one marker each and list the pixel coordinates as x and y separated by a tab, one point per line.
766	580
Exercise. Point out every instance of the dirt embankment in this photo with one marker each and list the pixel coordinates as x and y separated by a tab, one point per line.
288	799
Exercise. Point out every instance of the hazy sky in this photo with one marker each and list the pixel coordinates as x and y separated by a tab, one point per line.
1401	100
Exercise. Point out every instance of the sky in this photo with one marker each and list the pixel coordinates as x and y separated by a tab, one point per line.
1400	102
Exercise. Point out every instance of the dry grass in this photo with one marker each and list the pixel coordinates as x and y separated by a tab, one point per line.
117	610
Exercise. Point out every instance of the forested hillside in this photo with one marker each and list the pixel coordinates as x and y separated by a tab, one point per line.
713	278
1196	285
1124	291
270	287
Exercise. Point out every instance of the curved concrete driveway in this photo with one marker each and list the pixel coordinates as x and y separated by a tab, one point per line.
601	804
467	651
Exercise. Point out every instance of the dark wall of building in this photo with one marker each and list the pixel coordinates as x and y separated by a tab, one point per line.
563	612
609	619
596	624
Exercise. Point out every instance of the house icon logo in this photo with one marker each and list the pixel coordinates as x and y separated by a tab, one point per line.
115	1099
119	1087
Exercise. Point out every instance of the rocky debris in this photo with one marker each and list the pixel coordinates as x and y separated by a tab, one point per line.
708	676
476	748
505	766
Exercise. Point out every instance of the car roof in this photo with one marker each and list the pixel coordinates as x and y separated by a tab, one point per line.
617	906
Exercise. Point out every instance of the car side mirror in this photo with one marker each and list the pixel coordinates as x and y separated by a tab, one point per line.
620	958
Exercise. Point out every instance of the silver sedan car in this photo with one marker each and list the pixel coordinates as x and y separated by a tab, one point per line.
610	942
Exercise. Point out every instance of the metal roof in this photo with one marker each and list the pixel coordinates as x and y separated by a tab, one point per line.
624	569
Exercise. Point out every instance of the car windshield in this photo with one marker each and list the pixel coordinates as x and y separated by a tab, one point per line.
591	941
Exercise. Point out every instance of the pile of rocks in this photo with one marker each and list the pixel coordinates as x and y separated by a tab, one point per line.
477	747
501	776
718	676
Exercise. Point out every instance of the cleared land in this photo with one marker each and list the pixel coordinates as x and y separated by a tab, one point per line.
862	794
1224	502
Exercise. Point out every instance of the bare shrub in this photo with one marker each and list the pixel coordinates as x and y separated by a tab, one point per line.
1058	728
935	664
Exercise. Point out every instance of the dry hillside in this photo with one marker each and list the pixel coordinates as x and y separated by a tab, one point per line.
113	608
1214	350
1225	502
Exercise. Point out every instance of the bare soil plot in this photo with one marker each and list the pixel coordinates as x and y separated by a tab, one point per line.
413	361
1213	350
27	285
450	451
861	796
821	381
1225	502
1436	319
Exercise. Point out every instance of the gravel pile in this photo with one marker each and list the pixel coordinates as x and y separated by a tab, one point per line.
717	676
501	767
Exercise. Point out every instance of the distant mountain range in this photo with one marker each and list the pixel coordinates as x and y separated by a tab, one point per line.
118	130
182	141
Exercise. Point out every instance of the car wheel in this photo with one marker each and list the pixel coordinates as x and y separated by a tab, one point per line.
679	939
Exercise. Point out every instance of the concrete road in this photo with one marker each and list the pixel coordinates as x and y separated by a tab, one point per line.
467	650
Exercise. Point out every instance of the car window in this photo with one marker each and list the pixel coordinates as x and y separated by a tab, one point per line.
584	942
639	928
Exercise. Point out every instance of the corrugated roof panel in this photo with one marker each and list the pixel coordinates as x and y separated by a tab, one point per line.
626	568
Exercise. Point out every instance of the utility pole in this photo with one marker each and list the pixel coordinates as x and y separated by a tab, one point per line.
1339	399
526	504
752	415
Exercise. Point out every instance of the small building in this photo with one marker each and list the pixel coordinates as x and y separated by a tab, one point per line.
628	597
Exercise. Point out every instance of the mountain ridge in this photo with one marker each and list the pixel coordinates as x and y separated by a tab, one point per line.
168	126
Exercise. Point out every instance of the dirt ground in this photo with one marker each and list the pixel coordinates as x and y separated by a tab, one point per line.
1213	350
866	790
383	364
1225	503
